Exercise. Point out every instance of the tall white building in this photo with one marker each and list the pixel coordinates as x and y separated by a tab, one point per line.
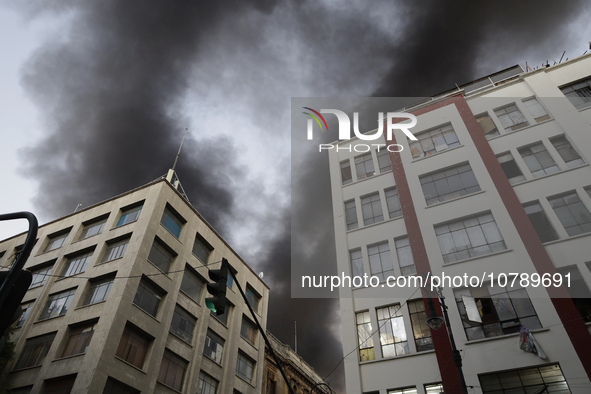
117	303
498	182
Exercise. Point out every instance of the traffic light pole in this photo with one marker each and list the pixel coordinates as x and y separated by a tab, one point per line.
17	267
232	271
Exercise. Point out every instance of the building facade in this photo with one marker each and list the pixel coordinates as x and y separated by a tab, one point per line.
302	377
117	303
498	182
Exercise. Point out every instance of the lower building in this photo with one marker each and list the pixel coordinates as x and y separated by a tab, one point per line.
302	377
117	303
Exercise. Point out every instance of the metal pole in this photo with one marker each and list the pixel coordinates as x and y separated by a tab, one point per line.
321	384
455	352
262	332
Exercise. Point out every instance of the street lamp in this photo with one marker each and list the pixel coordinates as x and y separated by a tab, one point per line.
435	322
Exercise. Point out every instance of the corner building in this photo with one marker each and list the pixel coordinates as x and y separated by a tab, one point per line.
117	303
498	182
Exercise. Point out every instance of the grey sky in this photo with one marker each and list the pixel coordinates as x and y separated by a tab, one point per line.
96	96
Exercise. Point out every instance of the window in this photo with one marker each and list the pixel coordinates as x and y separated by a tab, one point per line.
98	291
536	110
356	262
22	390
245	366
351	215
172	370
510	168
393	203
434	141
540	221
115	250
129	215
40	276
435	388
26	310
405	259
578	290
78	339
420	329
76	264
253	298
160	256
92	229
116	387
546	379
392	334
578	93
538	160
133	346
384	160
488	126
364	166
207	384
408	390
148	297
62	385
346	176
364	336
248	330
202	249
447	184
492	311
230	281
380	261
15	255
191	285
57	304
183	324
567	152
372	209
172	221
472	237
55	242
35	351
511	118
214	346
573	215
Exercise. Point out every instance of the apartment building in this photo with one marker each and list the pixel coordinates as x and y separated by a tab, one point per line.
117	303
498	182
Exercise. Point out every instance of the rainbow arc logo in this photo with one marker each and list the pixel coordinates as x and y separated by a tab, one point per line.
316	119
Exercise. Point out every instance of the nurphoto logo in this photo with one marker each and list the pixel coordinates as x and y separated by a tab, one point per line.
345	127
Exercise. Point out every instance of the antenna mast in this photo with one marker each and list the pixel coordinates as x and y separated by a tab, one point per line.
179	152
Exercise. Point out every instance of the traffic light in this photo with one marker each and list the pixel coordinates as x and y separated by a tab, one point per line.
9	311
217	303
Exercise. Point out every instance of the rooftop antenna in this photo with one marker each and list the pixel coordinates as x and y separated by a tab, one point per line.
296	336
77	206
561	57
172	177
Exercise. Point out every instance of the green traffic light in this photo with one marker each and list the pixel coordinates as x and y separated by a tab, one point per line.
210	305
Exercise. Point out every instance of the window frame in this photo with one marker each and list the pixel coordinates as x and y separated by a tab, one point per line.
149	288
171	217
351	219
44	270
400	347
93	224
210	381
564	147
75	333
250	328
96	283
215	354
373	208
161	255
507	115
56	237
459	254
189	320
129	212
420	330
586	100
384	257
508	167
343	166
47	312
36	347
76	263
204	249
582	213
249	362
200	282
425	145
365	342
361	163
136	339
539	157
176	360
444	185
536	214
118	245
